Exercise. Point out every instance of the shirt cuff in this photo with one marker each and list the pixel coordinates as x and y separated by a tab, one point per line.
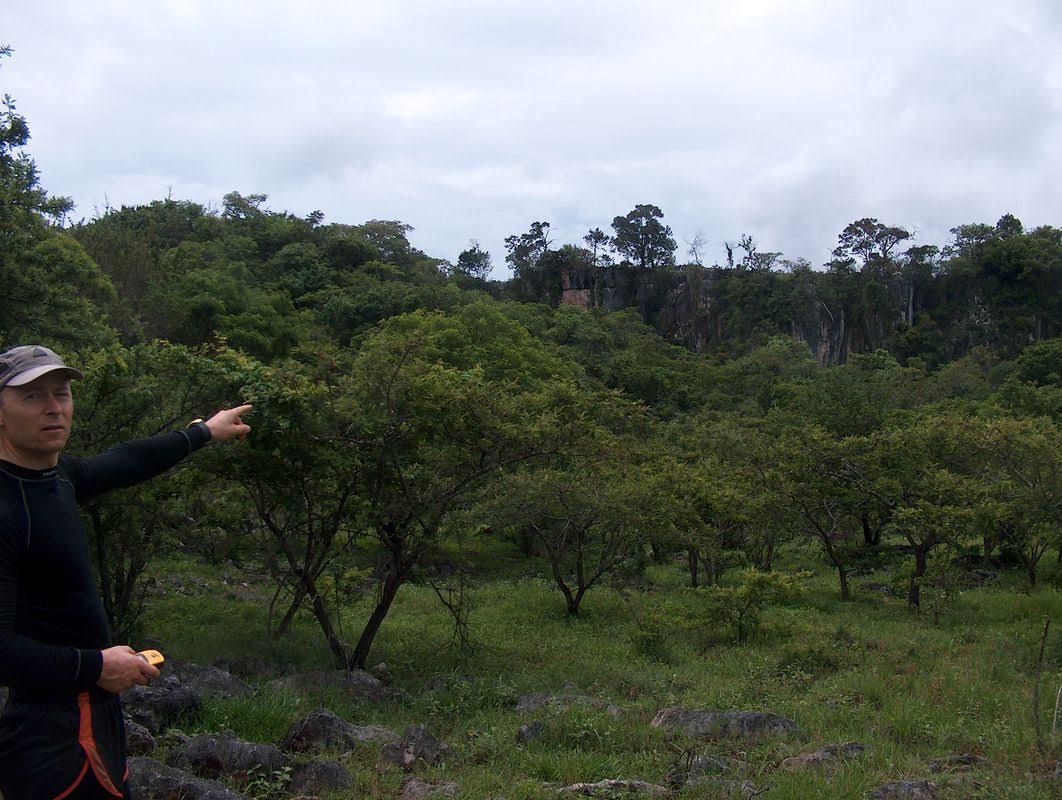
90	666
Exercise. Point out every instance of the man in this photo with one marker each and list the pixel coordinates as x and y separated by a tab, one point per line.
61	733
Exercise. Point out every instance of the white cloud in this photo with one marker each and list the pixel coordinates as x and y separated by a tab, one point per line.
781	118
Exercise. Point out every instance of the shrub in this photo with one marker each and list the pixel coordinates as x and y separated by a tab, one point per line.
739	607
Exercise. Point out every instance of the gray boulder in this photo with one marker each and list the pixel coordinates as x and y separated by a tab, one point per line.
208	681
153	780
609	789
704	768
957	763
357	683
979	577
711	724
540	701
905	790
138	739
415	789
211	756
320	776
826	755
324	730
530	731
252	668
161	703
876	587
417	743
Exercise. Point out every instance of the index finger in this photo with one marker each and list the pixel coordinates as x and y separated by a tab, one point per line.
238	410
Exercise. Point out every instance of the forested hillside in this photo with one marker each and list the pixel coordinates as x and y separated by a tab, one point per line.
883	425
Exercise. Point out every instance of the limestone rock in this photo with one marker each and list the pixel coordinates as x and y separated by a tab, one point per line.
540	701
530	731
724	724
826	755
138	739
416	789
963	761
322	730
609	789
320	776
357	683
151	779
905	790
252	668
211	756
416	743
208	681
703	768
161	703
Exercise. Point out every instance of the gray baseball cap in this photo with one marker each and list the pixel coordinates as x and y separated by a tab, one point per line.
20	365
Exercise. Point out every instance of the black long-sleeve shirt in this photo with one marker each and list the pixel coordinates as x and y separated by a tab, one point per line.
52	623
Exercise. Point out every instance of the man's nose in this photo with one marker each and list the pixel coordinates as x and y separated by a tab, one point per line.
53	405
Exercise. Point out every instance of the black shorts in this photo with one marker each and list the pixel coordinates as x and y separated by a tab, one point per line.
51	747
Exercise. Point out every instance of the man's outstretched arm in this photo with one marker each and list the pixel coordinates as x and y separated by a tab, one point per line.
141	459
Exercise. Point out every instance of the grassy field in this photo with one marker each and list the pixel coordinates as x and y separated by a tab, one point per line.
866	670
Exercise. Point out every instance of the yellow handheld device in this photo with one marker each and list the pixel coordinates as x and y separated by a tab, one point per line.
153	657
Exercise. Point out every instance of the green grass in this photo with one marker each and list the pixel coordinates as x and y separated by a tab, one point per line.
865	670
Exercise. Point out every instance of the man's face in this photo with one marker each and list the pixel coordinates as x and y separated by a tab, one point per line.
35	419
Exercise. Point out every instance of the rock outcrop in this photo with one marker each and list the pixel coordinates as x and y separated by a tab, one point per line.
712	724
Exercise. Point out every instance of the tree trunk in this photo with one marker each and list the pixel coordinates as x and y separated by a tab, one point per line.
296	603
693	559
659	556
324	619
574	601
914	594
871	537
842	573
396	576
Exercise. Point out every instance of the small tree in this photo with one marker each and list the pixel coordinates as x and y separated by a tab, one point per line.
739	606
580	515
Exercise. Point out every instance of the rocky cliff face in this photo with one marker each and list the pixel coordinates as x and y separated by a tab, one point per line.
687	308
706	308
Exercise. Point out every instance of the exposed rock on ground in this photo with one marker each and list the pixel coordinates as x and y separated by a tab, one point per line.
979	577
695	770
417	743
211	756
208	681
874	587
724	724
138	739
826	755
322	729
161	703
530	731
957	763
153	780
539	701
905	790
416	789
609	789
320	776
251	668
358	684
441	681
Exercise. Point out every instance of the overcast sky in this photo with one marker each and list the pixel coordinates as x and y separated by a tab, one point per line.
785	119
